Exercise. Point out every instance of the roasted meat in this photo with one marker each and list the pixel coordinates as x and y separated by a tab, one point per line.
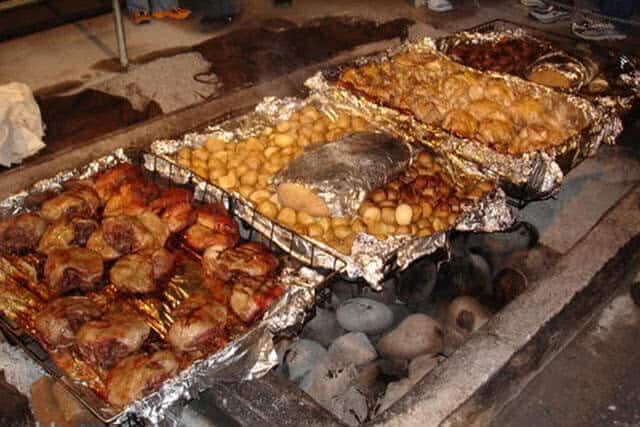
213	227
133	274
199	325
250	297
200	238
79	201
174	208
72	268
106	341
139	375
131	198
215	217
127	234
156	226
67	232
163	262
251	258
22	232
108	182
59	321
97	243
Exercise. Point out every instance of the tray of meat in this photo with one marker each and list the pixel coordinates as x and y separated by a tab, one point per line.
137	294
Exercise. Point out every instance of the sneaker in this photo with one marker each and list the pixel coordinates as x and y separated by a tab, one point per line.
549	14
594	30
140	17
533	3
439	5
177	13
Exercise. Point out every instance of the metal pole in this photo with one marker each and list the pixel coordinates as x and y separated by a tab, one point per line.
122	43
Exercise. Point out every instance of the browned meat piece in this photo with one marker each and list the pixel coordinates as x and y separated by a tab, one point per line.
251	258
250	297
108	182
133	274
65	233
174	208
58	322
200	238
131	198
97	243
139	375
79	201
106	341
22	232
213	227
163	262
88	194
216	217
72	268
156	226
199	324
127	234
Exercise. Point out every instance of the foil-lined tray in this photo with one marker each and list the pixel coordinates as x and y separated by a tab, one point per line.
249	355
529	176
370	259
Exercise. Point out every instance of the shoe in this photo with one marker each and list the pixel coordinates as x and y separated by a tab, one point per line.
549	14
533	3
219	21
594	30
140	17
439	5
178	13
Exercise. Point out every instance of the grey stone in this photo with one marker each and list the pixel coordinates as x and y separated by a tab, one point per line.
364	315
353	348
386	296
417	334
522	236
301	357
367	380
325	381
323	328
351	407
400	312
417	282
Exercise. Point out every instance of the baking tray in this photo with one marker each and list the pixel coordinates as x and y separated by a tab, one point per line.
99	407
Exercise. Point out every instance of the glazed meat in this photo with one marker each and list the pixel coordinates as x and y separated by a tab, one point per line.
106	341
97	243
58	322
127	234
159	230
80	201
139	375
163	262
72	268
133	274
174	208
250	297
251	258
131	198
22	232
67	232
199	324
213	227
108	182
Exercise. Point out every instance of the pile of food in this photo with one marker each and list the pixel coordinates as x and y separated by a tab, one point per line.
126	283
509	118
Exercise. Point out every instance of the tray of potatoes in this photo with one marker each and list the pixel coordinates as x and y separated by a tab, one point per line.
420	205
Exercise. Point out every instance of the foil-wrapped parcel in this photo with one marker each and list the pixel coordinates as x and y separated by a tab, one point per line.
169	341
510	129
333	179
406	218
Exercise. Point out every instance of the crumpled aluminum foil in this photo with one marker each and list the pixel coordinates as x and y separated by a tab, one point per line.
250	356
344	171
536	174
370	259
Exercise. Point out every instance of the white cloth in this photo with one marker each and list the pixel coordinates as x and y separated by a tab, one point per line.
21	129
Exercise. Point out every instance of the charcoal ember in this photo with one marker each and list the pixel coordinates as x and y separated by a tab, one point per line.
353	348
521	236
14	411
635	293
323	328
467	275
417	334
367	381
418	368
417	282
301	357
350	407
508	284
364	315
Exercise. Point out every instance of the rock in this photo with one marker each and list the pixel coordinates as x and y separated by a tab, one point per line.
522	235
417	282
367	380
351	407
325	381
344	290
421	366
468	275
508	284
635	293
323	328
386	296
364	315
300	357
417	334
395	391
353	348
400	312
467	314
394	368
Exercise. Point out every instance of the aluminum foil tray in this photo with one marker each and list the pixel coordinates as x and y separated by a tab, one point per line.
370	259
247	356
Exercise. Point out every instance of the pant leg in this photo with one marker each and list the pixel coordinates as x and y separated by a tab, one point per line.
137	5
220	8
157	5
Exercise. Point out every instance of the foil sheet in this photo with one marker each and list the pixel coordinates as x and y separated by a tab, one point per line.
344	171
370	259
536	174
247	357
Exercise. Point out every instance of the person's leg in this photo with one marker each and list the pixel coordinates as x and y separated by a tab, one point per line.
587	28
220	11
168	9
139	11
